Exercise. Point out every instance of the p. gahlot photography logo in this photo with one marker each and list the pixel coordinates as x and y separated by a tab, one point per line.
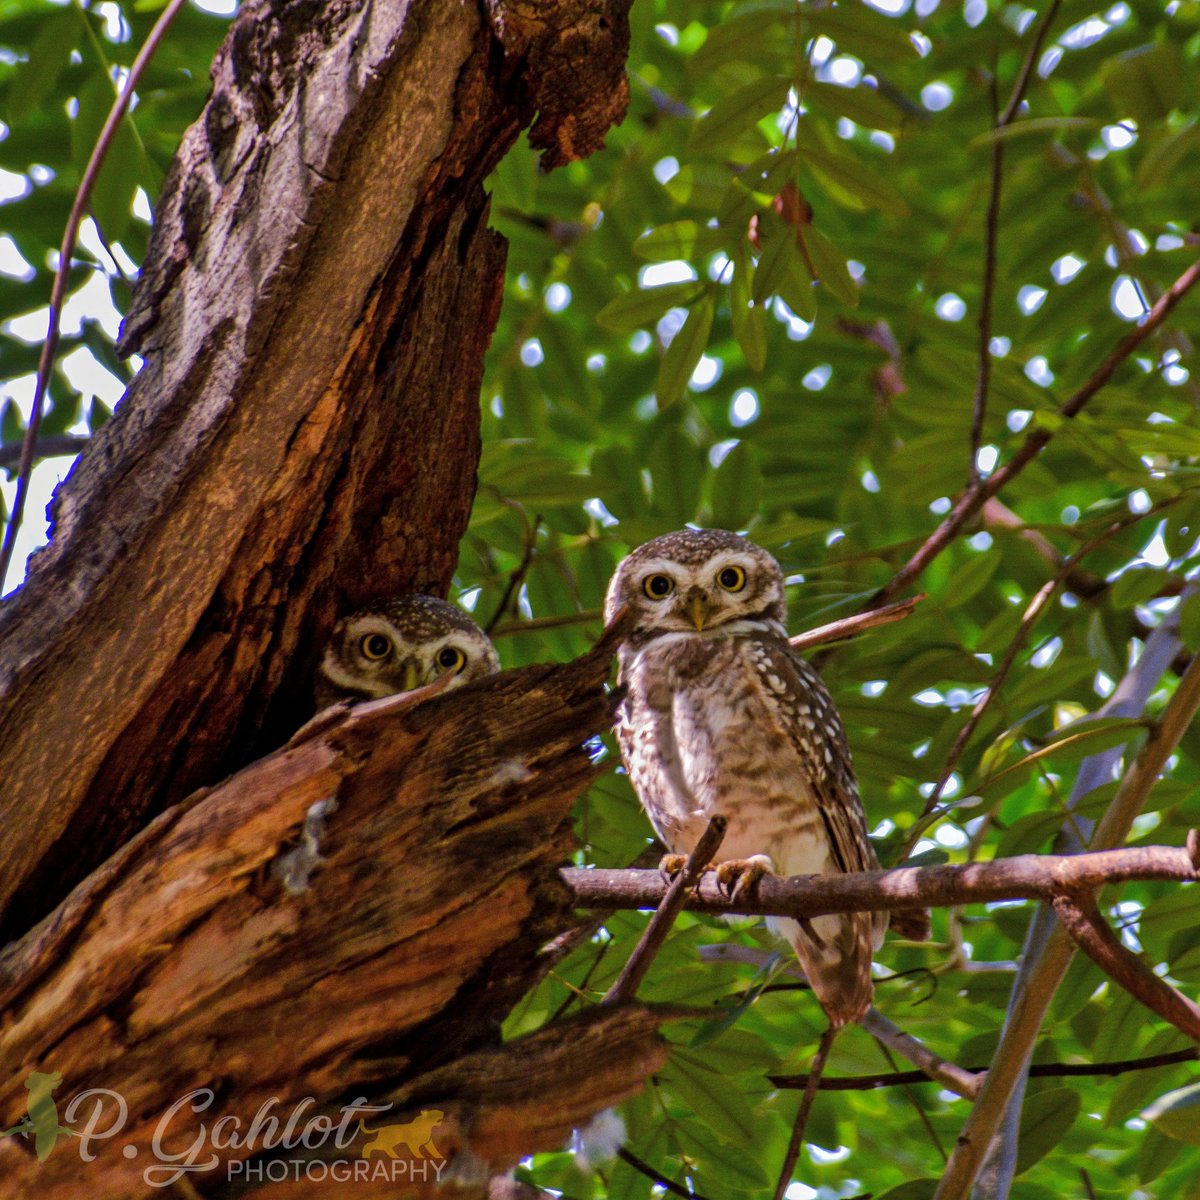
254	1150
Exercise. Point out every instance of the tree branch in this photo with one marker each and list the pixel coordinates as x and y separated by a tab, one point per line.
58	290
1094	936
852	626
884	1079
806	1103
932	1066
1025	877
673	899
973	497
1048	955
50	446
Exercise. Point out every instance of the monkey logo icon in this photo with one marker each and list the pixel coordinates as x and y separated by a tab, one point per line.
416	1136
42	1118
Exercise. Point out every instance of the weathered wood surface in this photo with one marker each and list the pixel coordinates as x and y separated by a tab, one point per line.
183	963
317	298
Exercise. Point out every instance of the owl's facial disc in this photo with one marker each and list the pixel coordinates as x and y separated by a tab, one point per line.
701	598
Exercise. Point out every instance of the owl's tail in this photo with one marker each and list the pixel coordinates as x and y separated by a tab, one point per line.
835	952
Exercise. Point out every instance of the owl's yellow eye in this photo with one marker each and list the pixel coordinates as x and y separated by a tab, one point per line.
657	587
732	579
451	658
375	647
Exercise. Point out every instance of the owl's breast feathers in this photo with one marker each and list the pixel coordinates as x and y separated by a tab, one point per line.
732	725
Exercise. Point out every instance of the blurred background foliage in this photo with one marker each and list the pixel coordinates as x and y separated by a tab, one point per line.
758	308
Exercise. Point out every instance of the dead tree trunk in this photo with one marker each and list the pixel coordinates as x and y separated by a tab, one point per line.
318	295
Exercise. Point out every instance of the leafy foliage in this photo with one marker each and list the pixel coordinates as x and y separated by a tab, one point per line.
758	308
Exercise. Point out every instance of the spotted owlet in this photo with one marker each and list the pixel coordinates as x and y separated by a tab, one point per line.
400	644
722	716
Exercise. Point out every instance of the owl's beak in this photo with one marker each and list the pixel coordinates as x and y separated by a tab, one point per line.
699	610
412	676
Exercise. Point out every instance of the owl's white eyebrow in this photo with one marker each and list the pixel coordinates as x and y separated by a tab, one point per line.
658	566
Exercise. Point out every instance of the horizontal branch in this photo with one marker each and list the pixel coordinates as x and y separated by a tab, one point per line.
1026	877
866	1083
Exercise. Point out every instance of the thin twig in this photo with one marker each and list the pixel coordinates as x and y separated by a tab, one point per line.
516	577
1033	612
806	1103
1094	936
852	626
972	499
51	446
992	231
941	1070
62	274
991	227
669	905
558	621
886	1079
644	1168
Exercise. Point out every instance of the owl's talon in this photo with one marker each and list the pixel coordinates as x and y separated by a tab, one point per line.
738	877
670	865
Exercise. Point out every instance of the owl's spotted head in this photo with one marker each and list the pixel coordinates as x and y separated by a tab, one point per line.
401	644
706	581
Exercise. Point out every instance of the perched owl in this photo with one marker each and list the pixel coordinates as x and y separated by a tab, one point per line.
721	716
401	644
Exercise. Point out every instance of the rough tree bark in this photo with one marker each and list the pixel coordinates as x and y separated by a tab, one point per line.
318	295
222	948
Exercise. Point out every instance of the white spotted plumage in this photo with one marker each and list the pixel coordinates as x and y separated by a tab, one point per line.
721	716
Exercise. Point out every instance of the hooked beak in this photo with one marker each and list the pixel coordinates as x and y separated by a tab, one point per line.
412	675
699	610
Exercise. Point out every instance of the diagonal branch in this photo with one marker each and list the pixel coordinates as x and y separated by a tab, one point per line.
1046	963
673	899
852	626
973	497
1094	936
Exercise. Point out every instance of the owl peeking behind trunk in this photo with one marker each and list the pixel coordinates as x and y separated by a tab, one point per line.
401	644
722	716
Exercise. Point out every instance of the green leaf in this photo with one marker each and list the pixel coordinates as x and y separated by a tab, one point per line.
1148	83
747	316
1029	126
710	1096
1189	622
678	239
514	182
35	79
677	471
864	105
747	37
737	112
684	352
1177	1114
1045	1121
1138	585
860	30
737	486
830	266
914	1189
643	306
852	182
778	252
